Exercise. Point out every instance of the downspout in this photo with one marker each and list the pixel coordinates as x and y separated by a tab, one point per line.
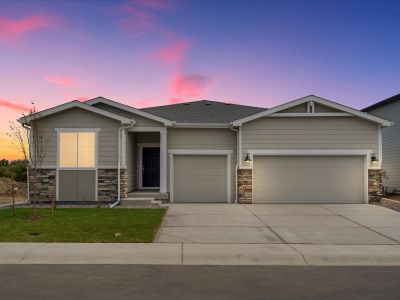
237	158
119	162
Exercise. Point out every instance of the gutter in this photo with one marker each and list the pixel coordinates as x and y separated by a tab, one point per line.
237	158
119	162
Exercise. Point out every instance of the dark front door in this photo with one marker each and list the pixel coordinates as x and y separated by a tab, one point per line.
151	167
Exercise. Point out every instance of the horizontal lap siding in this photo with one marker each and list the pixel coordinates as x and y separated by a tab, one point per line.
390	143
211	139
80	118
310	133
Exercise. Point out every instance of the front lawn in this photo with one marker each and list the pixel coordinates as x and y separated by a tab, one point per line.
85	225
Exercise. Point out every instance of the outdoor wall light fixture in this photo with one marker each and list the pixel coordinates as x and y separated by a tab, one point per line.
373	157
247	160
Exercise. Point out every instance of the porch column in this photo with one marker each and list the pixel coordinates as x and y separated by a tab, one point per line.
163	161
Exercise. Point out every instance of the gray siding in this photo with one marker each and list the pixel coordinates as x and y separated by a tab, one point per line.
310	133
215	139
80	118
319	108
302	108
390	143
131	160
140	121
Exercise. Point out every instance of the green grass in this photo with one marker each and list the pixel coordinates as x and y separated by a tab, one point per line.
86	225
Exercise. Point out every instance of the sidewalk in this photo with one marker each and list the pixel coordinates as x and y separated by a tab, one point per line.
200	254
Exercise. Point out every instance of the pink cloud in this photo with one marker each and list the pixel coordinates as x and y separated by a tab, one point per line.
155	4
83	98
173	52
14	106
146	102
11	30
189	85
61	80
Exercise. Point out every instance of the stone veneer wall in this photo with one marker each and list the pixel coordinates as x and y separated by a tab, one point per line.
45	184
107	184
375	185
244	185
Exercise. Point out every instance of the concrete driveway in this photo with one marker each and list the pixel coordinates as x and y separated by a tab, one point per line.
302	224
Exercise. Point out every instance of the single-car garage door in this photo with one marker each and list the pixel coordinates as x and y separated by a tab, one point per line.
308	179
200	178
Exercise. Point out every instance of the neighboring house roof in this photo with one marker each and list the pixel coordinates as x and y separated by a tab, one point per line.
73	104
383	102
203	112
129	109
316	99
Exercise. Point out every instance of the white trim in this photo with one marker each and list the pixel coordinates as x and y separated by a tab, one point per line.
163	162
201	125
239	150
380	149
199	152
294	115
72	104
140	147
310	152
129	109
365	153
96	162
77	129
173	152
316	99
148	129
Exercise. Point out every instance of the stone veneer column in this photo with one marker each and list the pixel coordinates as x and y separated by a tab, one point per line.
375	185
107	184
245	186
45	184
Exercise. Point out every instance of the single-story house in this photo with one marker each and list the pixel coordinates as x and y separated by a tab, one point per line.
310	150
389	109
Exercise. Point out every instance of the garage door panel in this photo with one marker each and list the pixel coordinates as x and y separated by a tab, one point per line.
308	179
200	178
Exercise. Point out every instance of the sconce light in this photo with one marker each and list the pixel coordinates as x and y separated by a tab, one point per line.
247	160
373	157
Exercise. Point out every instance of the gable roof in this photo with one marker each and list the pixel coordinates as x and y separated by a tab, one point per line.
203	112
319	100
73	104
129	109
383	102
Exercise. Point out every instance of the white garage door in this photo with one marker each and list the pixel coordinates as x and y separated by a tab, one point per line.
308	179
200	178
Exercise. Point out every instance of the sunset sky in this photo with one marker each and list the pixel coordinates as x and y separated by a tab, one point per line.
153	52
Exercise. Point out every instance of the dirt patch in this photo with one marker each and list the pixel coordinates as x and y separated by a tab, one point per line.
6	191
393	197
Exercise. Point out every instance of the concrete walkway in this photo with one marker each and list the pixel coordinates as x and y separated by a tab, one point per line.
227	234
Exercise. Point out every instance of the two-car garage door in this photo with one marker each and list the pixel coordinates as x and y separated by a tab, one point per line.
308	179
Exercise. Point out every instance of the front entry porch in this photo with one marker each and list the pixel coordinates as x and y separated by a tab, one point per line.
146	163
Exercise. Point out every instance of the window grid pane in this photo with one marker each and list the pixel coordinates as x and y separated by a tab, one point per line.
86	149
68	150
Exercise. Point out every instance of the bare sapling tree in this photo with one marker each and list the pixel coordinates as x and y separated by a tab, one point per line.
29	139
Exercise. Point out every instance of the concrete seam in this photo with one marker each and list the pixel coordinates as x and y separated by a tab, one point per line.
31	251
273	231
363	226
301	254
181	253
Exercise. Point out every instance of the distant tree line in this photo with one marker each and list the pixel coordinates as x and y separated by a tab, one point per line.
18	167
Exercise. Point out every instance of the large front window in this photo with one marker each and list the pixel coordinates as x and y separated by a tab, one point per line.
77	149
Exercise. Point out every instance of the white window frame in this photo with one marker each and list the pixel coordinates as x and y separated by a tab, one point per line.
95	130
227	153
95	168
